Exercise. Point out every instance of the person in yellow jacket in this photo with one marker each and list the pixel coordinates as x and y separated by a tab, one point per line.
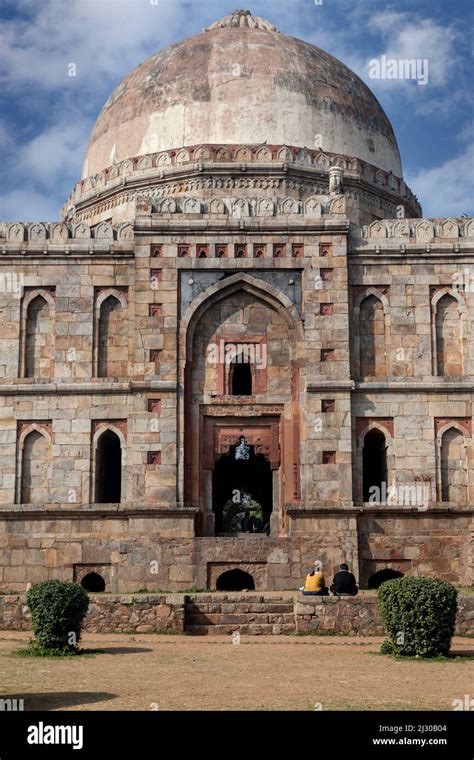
315	584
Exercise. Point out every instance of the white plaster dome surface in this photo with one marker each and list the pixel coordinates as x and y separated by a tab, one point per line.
242	82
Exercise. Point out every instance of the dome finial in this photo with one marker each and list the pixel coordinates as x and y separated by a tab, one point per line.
242	18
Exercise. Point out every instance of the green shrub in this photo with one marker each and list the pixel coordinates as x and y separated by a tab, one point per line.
57	610
419	615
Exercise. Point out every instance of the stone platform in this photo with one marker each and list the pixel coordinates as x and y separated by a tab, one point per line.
224	613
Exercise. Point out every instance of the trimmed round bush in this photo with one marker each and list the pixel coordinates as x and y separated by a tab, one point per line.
57	611
419	615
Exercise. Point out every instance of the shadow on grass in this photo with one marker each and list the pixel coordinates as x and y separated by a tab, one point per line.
32	652
122	650
38	653
458	656
58	700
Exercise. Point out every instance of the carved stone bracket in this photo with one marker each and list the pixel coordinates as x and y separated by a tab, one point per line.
221	434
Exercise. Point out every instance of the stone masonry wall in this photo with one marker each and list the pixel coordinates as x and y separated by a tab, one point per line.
48	526
145	552
356	616
359	616
173	613
147	613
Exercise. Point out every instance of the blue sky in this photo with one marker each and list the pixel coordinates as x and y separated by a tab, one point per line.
46	115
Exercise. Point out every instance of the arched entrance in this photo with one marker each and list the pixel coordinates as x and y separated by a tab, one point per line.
235	580
240	316
242	480
93	582
387	574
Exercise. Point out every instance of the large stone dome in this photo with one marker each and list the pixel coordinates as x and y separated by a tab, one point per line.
242	82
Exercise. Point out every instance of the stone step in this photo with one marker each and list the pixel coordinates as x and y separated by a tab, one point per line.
237	597
240	608
251	629
207	615
218	618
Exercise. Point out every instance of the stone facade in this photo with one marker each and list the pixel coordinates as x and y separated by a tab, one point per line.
120	413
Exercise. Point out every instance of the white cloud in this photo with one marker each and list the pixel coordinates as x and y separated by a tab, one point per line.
386	21
28	206
55	152
423	38
104	38
448	189
42	171
407	37
467	132
6	138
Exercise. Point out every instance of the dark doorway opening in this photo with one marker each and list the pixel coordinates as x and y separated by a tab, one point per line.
109	326
387	574
108	478
235	580
37	312
374	458
241	379
239	485
93	582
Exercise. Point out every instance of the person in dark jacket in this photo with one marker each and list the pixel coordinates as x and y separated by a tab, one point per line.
246	524
344	583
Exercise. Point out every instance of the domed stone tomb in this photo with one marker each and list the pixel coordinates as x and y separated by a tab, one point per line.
242	83
242	349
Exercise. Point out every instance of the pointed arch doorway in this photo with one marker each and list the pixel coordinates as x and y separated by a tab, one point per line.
263	404
242	481
241	472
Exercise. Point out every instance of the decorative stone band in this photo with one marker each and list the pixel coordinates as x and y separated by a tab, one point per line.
164	201
57	236
98	387
419	230
169	162
59	233
313	206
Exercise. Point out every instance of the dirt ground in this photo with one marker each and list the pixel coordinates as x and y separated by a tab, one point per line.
153	672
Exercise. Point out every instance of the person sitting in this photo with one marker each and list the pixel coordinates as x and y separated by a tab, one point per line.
315	584
344	583
246	524
254	524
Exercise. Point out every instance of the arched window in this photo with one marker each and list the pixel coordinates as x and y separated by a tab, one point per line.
241	379
372	338
37	338
387	574
374	457
453	467
111	340
448	337
93	582
108	469
235	580
34	469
